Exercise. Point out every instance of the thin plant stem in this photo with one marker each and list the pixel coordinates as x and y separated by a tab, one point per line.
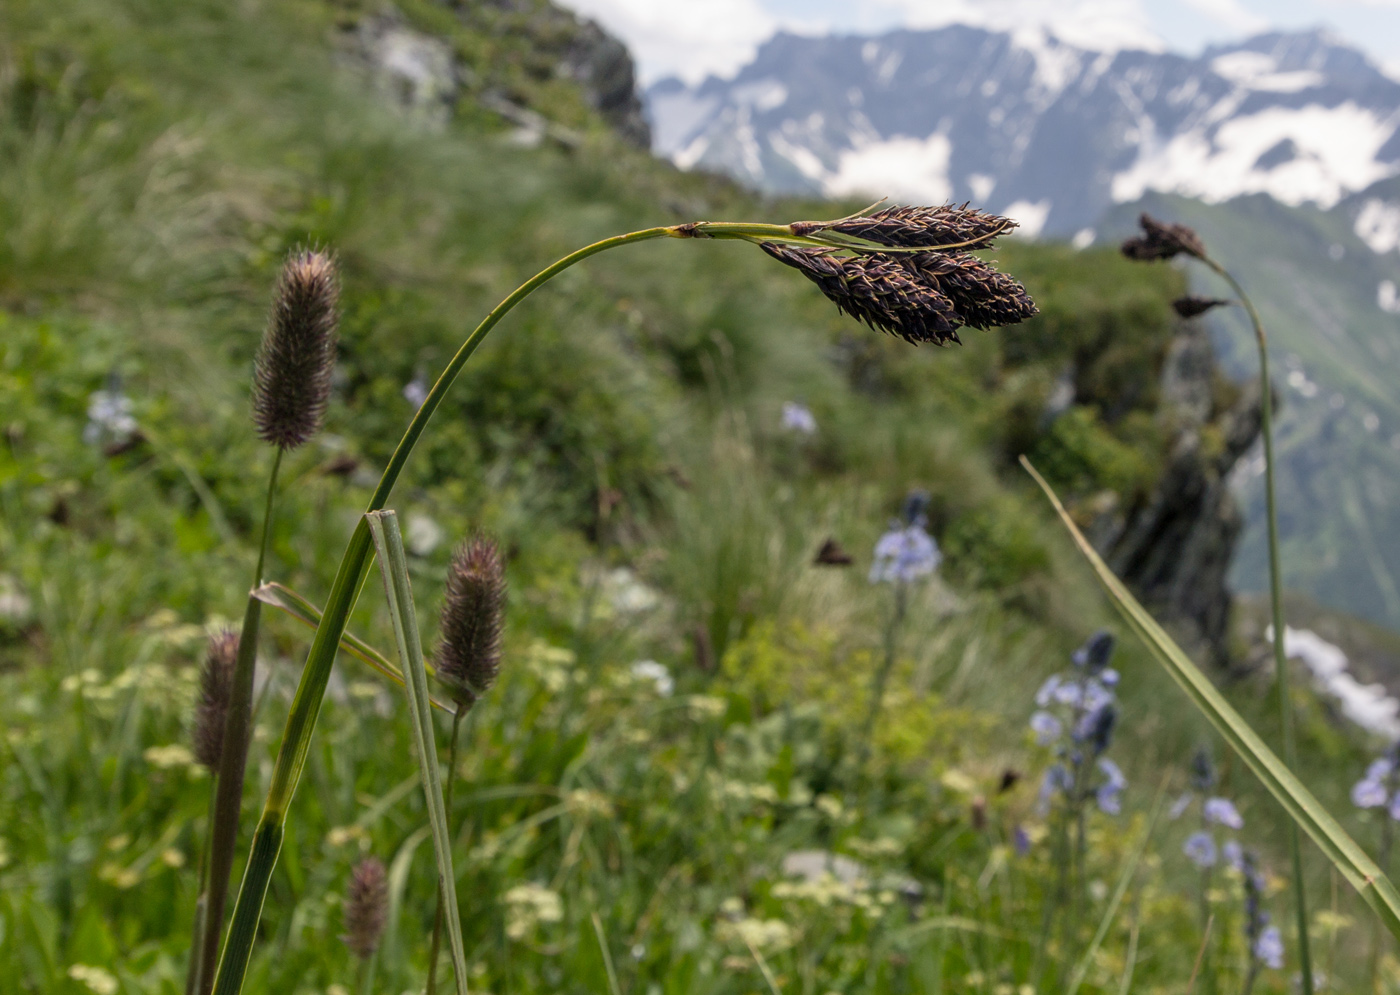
227	788
447	804
349	580
1285	704
393	569
1387	833
882	676
1200	956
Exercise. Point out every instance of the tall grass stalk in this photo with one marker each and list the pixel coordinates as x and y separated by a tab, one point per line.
227	788
1281	681
393	568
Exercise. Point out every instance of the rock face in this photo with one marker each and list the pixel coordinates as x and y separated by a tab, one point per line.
1174	548
536	39
602	67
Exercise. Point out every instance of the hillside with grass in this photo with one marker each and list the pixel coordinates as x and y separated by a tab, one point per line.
689	777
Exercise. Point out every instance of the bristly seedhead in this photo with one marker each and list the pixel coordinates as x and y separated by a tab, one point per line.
215	688
877	290
1193	307
292	380
473	613
917	227
983	297
1163	240
366	907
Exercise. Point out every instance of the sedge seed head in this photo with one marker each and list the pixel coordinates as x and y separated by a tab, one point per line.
917	227
215	689
983	297
473	615
292	379
877	290
366	907
1192	306
1163	240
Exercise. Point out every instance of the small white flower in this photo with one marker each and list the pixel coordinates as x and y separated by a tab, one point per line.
650	670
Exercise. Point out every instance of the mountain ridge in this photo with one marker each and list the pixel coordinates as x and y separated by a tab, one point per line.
1027	124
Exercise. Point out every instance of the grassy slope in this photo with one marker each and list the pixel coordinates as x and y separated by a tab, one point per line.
158	161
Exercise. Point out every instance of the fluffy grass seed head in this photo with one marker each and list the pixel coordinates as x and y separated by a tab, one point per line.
215	687
1162	240
366	907
877	290
917	227
292	379
473	613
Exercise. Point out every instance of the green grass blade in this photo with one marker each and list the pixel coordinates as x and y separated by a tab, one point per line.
285	599
393	567
1081	969
1302	806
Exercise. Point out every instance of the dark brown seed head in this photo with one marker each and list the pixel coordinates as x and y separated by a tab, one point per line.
292	380
917	227
215	687
1191	307
877	290
366	906
1163	240
983	297
473	613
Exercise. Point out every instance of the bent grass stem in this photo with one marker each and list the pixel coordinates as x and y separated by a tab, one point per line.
345	589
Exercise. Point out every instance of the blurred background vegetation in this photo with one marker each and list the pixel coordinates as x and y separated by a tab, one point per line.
621	433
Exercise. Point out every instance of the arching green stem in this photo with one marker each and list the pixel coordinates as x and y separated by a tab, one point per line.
349	579
1285	703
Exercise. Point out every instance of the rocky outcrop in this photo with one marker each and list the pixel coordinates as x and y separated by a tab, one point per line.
1174	547
522	44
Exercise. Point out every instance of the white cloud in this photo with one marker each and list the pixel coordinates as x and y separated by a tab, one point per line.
688	38
1231	14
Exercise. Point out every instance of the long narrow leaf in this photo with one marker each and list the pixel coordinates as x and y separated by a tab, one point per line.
285	599
393	567
1302	806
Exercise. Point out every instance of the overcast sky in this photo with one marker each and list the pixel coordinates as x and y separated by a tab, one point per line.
691	38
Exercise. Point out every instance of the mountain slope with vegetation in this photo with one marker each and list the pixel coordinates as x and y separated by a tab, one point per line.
685	693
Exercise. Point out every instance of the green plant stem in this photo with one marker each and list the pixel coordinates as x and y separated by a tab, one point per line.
1285	702
393	568
882	677
349	579
433	947
233	758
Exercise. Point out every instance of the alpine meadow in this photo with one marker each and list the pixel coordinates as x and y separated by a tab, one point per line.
445	547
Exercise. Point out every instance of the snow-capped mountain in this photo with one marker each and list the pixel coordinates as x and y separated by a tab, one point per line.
1029	125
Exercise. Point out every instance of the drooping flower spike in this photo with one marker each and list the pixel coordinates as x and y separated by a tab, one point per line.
1163	240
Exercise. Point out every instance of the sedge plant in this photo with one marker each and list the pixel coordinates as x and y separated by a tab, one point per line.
1161	240
902	270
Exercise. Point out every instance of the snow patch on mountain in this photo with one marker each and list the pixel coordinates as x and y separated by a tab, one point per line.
1310	153
1257	71
1367	705
1378	225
